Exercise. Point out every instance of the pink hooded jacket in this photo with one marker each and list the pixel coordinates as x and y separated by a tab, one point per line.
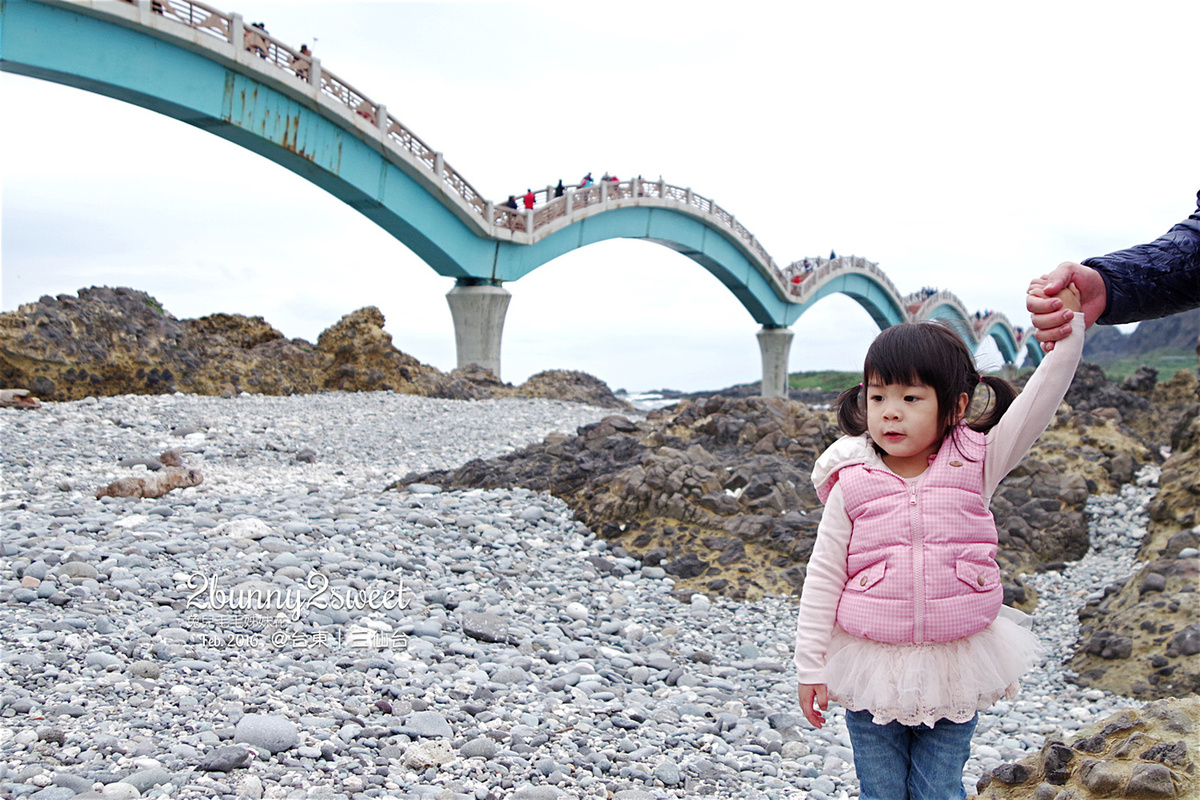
1007	443
921	561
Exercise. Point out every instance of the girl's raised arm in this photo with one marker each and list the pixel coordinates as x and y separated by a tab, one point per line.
1034	408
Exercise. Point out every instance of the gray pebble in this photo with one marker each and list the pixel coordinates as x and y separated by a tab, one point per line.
76	783
24	594
668	773
270	732
427	724
480	746
121	790
146	779
226	759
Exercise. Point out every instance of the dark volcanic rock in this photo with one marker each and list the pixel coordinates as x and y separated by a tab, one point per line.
1092	390
1140	405
717	489
718	492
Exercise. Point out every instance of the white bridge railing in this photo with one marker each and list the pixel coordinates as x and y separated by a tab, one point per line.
796	283
230	28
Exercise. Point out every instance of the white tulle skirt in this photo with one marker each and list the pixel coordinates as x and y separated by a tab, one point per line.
918	684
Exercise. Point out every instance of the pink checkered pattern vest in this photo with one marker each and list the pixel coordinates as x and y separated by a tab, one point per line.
921	562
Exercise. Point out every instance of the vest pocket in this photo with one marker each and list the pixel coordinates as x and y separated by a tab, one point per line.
864	579
980	577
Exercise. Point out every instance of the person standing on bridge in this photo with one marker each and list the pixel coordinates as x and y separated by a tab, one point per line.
530	199
255	39
901	618
301	62
1146	281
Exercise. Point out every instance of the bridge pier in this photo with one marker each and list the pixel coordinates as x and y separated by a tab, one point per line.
775	344
478	311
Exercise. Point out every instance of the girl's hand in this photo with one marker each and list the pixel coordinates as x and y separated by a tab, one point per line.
810	692
1050	315
1069	295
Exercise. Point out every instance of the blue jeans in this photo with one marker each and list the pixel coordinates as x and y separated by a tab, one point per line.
899	762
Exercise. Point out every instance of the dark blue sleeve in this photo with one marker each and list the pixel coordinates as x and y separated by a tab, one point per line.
1155	279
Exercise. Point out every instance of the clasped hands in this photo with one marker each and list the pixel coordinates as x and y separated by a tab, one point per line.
1053	300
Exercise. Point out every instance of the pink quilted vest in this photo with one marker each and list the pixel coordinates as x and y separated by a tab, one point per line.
921	562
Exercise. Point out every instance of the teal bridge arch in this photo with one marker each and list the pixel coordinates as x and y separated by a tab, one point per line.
210	69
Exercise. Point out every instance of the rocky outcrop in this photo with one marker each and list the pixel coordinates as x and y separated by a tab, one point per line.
1143	638
361	356
576	387
121	341
109	341
1129	404
1149	752
718	491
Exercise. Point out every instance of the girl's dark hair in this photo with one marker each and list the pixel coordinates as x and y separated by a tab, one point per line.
933	354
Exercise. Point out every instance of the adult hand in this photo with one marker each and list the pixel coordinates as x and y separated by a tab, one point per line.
1051	319
814	698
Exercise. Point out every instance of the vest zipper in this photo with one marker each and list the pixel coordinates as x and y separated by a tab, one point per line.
918	562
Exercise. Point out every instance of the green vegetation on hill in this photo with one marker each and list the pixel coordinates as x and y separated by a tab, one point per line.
827	380
1168	345
1166	361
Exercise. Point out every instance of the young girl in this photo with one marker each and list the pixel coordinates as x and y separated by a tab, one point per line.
901	617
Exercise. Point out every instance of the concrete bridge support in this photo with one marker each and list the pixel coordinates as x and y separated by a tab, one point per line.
775	344
478	311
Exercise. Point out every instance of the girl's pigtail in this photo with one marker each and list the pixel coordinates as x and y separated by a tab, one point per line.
852	410
1002	396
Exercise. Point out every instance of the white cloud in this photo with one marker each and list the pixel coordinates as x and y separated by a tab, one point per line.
960	146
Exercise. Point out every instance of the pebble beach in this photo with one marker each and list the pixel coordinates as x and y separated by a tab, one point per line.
413	643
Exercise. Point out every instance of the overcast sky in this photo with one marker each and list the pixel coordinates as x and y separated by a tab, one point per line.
963	146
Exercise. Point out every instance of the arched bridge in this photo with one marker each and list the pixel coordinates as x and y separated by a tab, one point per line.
211	69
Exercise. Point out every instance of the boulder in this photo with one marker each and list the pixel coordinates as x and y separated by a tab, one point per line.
1149	752
359	356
